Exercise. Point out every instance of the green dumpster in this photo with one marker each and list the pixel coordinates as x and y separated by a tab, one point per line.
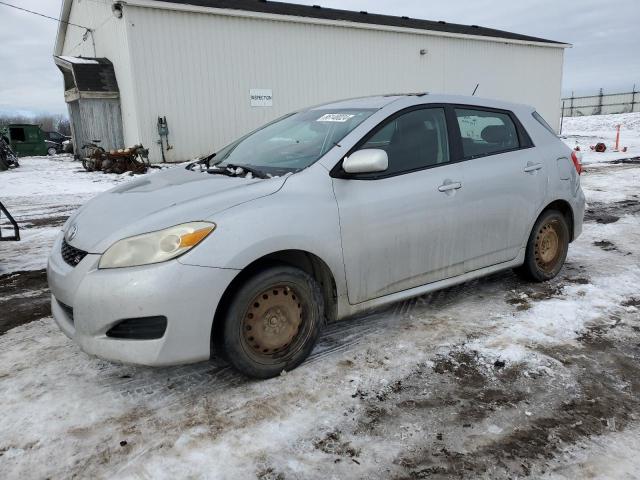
26	140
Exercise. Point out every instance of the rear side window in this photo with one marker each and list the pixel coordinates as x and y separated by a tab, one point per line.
544	123
486	133
414	140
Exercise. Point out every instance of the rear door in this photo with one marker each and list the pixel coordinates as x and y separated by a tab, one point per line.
401	229
504	184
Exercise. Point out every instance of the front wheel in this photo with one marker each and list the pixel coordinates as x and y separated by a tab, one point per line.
52	151
273	322
547	247
88	164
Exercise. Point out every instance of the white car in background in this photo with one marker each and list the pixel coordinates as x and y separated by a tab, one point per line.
315	217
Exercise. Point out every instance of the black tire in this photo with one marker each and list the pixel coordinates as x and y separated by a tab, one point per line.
52	151
288	325
547	248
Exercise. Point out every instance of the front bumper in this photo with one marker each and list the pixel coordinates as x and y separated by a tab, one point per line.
186	295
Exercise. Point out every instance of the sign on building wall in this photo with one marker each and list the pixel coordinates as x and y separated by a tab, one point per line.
261	97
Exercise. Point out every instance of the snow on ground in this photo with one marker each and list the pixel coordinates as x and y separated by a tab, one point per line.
613	456
40	195
587	131
55	176
495	378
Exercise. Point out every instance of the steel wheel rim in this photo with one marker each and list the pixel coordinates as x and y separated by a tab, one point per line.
273	322
548	246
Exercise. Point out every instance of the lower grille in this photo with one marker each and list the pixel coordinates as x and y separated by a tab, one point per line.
71	255
147	328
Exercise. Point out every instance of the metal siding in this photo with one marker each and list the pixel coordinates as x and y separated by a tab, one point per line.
110	35
197	69
76	129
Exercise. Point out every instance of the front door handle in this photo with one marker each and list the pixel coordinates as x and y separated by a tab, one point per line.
532	167
448	186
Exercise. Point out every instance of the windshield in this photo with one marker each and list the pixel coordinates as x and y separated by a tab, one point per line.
292	143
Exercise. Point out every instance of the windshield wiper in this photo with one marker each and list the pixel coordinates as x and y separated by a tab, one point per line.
228	169
203	161
234	168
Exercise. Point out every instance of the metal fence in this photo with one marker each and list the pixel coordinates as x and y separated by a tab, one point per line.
601	104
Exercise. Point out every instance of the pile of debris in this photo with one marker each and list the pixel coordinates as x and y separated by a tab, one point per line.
134	159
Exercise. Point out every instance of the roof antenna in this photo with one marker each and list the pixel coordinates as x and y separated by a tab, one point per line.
475	90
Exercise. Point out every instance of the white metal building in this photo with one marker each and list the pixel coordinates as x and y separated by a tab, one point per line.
219	68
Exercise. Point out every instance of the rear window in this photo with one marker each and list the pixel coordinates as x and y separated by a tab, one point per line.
544	123
486	133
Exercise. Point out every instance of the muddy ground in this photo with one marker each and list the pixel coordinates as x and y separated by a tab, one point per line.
411	391
25	297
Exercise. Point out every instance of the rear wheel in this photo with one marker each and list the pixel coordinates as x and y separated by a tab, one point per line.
273	322
547	247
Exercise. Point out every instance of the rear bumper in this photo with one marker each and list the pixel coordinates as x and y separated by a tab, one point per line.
87	302
579	206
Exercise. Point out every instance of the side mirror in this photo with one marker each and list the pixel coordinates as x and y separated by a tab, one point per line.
370	160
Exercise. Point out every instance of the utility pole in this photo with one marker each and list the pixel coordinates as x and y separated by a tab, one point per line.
571	115
598	109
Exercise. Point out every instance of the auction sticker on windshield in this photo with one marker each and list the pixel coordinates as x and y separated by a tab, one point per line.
335	117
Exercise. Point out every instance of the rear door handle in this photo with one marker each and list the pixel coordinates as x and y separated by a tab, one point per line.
449	186
532	167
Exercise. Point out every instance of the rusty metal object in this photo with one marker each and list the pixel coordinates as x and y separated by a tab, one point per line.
134	159
272	321
95	156
548	245
8	159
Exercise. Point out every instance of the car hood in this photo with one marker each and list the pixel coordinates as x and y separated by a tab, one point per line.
158	201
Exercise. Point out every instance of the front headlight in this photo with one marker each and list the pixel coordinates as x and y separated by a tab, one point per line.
156	247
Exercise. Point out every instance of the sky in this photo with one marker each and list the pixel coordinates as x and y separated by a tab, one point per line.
604	34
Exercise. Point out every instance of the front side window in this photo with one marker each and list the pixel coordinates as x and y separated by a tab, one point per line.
486	133
414	140
294	142
17	134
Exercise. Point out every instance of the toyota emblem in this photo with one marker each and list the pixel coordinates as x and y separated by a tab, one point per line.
73	231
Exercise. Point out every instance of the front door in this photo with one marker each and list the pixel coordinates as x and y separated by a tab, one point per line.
400	229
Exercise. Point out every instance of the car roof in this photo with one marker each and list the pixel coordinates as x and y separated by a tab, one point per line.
381	101
374	102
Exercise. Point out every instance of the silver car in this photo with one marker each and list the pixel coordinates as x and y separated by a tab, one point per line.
312	218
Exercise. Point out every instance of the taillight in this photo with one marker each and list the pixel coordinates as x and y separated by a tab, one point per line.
576	162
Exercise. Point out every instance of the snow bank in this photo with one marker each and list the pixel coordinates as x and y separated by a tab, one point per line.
585	132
